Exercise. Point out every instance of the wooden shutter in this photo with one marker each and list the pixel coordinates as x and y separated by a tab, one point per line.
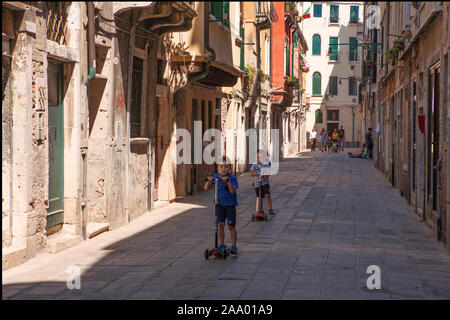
226	13
353	51
334	13
316	44
334	47
354	13
317	83
216	9
332	86
318	10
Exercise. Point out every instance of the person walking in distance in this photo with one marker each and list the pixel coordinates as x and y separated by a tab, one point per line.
341	133
369	142
313	138
324	135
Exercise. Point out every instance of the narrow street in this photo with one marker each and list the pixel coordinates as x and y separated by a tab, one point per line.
335	217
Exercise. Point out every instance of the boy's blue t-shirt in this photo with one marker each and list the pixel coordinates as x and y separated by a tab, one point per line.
225	197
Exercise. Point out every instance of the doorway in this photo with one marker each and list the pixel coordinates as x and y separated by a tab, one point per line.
55	211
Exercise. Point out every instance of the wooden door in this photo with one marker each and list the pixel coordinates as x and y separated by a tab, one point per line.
55	211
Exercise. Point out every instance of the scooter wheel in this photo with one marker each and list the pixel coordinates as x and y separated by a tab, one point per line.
206	254
253	217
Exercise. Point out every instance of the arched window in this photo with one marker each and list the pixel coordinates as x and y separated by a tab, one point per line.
316	83
316	44
319	116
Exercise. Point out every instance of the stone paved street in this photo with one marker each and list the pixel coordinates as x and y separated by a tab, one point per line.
335	217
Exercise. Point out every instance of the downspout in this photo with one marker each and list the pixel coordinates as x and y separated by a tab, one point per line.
202	75
91	42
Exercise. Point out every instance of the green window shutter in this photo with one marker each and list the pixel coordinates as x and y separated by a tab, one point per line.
317	83
319	116
242	35
316	45
332	86
354	13
287	49
334	13
318	10
353	52
334	47
216	9
226	13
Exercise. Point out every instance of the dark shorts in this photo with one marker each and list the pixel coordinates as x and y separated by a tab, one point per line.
226	212
264	190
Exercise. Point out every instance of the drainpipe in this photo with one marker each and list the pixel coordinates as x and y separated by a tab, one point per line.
204	73
91	42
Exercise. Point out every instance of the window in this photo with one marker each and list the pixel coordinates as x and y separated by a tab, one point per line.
319	116
334	48
332	86
316	45
203	117
332	115
334	13
353	50
209	114
317	10
242	61
136	91
354	14
352	88
221	10
317	82
287	52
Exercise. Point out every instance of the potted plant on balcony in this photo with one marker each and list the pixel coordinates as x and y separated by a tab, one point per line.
391	54
291	81
399	44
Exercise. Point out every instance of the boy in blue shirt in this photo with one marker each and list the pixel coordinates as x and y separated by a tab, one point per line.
226	208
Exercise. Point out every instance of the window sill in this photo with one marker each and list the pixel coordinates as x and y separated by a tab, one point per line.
334	61
316	96
139	140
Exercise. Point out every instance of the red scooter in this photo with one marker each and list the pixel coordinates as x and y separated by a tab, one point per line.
260	214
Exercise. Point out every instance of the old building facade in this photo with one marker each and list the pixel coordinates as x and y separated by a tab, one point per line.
98	95
409	104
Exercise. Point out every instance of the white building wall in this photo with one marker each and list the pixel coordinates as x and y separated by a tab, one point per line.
343	102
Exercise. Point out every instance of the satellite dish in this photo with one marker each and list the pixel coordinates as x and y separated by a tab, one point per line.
416	4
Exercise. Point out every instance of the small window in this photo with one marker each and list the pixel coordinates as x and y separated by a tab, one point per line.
221	11
317	11
334	47
317	82
210	114
353	50
332	115
354	14
136	91
316	45
352	87
334	13
332	86
319	116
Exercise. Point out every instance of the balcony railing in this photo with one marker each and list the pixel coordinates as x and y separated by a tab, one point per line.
265	12
57	22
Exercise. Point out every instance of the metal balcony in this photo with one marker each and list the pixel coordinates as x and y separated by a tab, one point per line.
265	14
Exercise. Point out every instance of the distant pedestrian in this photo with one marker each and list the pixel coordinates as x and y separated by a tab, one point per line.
313	138
324	136
369	142
341	133
329	142
335	140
